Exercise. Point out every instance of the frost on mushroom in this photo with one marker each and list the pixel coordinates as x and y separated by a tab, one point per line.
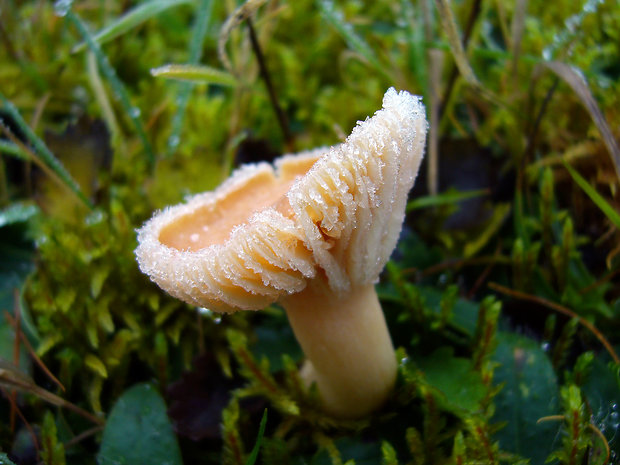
351	204
313	233
234	248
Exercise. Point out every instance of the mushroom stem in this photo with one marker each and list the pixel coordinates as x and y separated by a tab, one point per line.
347	344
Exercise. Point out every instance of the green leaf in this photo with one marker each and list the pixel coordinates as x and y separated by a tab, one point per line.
138	431
17	213
389	454
53	452
460	388
96	281
529	392
65	298
131	19
94	363
464	314
4	459
600	202
500	213
195	73
47	157
16	263
459	450
11	149
259	438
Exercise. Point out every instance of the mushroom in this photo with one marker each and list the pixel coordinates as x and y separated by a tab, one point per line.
313	233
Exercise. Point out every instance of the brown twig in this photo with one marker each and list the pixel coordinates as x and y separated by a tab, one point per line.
282	121
24	421
600	282
21	336
23	383
249	363
599	433
38	110
471	20
594	429
235	448
83	435
485	274
560	309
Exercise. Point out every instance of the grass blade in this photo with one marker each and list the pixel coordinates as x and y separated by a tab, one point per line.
417	44
574	78
11	149
516	32
199	31
247	9
450	27
600	202
195	73
354	42
98	89
12	377
115	82
448	23
445	198
131	19
41	149
259	438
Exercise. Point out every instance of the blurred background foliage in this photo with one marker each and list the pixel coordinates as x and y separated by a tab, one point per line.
502	296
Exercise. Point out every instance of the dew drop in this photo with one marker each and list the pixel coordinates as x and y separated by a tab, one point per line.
135	112
173	141
62	7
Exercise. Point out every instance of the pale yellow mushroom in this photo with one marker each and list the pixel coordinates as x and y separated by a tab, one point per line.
313	234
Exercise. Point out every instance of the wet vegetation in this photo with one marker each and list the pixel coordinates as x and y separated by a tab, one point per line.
502	297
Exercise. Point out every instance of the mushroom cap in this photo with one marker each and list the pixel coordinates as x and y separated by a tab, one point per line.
266	231
232	248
